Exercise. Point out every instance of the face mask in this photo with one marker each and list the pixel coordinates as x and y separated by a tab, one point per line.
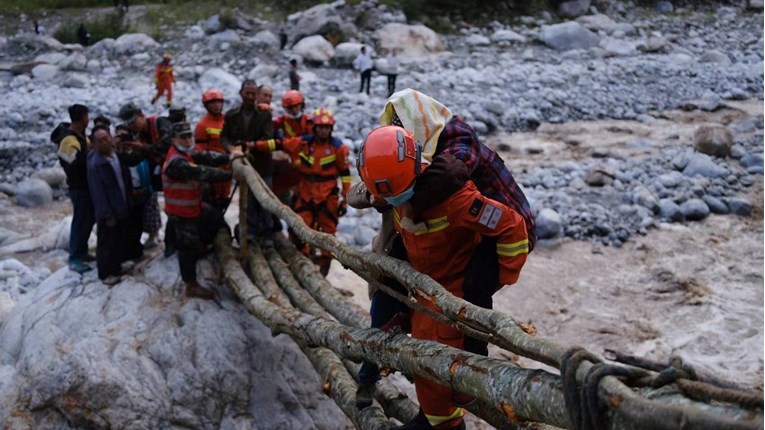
401	198
185	149
296	115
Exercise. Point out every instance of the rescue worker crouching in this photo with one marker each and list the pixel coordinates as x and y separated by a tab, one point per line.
207	138
440	242
194	222
321	161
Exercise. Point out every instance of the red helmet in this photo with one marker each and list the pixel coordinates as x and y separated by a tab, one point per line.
212	95
323	116
389	161
292	98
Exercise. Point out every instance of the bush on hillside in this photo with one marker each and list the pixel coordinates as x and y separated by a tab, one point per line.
112	25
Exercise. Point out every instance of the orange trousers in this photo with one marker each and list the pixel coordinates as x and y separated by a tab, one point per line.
162	88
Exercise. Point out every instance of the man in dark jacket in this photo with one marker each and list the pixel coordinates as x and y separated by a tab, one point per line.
73	148
195	223
155	133
243	124
108	181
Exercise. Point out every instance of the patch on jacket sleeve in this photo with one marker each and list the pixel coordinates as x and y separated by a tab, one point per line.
475	208
490	216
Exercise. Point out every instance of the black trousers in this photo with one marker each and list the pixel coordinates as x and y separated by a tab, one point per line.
481	278
391	84
110	250
192	235
133	232
366	77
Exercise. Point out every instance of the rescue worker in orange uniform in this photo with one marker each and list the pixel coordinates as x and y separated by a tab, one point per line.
440	242
293	124
322	160
164	78
207	138
194	222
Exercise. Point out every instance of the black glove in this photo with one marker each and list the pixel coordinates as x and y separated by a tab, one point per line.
342	208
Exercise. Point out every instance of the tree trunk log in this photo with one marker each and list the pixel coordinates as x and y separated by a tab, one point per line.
523	395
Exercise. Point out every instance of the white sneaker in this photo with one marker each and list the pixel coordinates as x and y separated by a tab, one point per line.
150	243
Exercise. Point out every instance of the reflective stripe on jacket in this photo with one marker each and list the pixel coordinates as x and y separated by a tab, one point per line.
183	198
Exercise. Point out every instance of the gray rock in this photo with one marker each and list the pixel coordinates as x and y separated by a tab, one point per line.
670	210
665	7
132	43
752	160
671	179
314	48
194	32
703	165
212	24
740	206
716	206
507	36
567	36
45	72
573	8
222	80
713	140
33	192
643	197
549	224
618	47
715	56
755	4
76	80
694	209
477	40
226	36
598	178
53	176
640	144
266	38
654	44
600	152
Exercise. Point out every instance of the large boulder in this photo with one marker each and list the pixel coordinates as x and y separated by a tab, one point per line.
34	42
715	56
50	58
315	20
143	354
414	42
694	209
75	61
618	47
227	36
222	80
714	140
131	43
33	192
568	35
316	49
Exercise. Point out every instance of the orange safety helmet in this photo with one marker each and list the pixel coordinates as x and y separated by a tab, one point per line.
167	56
323	116
292	98
389	161
212	95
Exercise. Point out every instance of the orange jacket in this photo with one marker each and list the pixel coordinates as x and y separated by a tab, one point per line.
207	133
453	229
164	74
293	127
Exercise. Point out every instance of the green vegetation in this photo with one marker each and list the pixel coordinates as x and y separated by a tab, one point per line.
111	25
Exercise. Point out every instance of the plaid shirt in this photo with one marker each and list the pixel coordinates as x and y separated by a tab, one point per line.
487	170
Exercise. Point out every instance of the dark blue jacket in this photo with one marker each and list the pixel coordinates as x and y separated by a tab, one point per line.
108	198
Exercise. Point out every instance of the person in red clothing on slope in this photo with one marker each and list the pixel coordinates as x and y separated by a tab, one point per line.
440	242
164	79
207	138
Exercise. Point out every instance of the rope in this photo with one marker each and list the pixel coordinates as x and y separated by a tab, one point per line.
690	383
